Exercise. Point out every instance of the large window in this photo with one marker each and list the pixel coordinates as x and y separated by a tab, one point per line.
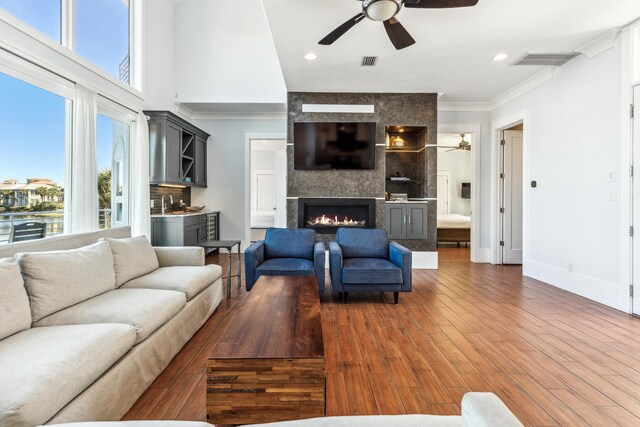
98	30
32	156
43	15
102	34
112	146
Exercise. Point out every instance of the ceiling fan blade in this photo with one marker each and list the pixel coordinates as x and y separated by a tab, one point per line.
453	149
438	4
398	35
339	32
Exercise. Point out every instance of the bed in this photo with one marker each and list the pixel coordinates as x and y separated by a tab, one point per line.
454	228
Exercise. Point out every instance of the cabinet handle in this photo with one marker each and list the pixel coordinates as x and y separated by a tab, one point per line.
404	219
409	218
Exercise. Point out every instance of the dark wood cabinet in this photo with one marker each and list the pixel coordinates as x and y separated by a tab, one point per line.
177	151
406	220
179	230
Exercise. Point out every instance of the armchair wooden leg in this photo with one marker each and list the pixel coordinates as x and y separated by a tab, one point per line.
396	297
345	296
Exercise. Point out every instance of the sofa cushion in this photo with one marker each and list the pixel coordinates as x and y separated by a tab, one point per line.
144	309
370	270
286	267
15	314
43	369
59	279
132	257
284	243
363	242
189	280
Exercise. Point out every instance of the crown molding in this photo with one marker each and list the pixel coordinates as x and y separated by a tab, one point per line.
601	44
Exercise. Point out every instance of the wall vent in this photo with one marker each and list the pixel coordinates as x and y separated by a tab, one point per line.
555	59
369	61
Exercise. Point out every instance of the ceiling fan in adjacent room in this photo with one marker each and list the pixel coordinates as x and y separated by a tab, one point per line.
385	11
462	145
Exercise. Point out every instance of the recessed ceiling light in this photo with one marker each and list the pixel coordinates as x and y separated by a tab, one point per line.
310	56
500	57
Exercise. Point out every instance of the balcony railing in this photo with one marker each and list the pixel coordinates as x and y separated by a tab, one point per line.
53	219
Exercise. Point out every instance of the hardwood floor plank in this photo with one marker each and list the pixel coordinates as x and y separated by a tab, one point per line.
553	357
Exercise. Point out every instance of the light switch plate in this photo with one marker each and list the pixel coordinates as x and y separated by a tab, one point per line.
612	176
612	195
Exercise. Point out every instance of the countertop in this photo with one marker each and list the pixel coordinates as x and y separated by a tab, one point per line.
425	201
182	214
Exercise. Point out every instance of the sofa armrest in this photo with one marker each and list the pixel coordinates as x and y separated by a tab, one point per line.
486	410
401	256
253	257
318	261
335	266
172	256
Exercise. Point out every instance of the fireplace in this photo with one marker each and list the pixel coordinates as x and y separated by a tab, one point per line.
326	215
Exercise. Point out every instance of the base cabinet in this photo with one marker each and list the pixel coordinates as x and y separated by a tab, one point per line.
179	230
406	220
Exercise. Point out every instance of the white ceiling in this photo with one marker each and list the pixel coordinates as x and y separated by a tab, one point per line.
453	49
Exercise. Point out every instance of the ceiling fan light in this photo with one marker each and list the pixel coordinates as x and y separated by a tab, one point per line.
380	10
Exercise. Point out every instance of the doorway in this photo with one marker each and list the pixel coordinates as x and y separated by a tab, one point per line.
267	186
635	235
454	200
511	194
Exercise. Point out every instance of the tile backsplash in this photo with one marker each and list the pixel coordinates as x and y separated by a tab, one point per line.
178	194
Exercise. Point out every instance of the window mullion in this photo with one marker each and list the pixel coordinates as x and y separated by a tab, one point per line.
69	24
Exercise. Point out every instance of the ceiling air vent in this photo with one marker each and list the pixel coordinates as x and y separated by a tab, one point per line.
369	61
552	58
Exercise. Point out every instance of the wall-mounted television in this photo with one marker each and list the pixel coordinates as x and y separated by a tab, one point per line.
334	145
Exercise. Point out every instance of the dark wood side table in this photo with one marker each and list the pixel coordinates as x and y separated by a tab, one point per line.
228	245
268	364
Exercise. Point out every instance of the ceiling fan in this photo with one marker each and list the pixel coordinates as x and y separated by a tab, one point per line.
462	145
385	11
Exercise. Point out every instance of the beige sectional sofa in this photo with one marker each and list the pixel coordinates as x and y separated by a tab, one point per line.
88	321
478	410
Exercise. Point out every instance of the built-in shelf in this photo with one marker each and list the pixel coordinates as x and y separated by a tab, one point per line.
405	150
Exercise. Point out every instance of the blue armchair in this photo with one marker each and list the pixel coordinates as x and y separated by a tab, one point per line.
285	252
363	259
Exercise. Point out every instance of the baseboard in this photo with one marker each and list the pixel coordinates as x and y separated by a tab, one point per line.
610	294
483	255
425	260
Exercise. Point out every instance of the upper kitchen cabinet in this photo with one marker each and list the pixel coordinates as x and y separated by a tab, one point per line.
177	151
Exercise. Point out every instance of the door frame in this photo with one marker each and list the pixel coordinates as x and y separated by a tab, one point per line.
497	126
248	137
477	255
447	175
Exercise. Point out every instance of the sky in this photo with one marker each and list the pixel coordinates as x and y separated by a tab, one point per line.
33	120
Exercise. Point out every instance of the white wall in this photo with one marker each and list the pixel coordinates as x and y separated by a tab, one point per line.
224	53
227	170
458	164
159	73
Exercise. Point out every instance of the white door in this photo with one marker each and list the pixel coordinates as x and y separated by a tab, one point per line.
281	187
266	191
512	197
636	202
443	193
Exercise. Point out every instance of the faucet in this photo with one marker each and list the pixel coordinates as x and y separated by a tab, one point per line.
162	202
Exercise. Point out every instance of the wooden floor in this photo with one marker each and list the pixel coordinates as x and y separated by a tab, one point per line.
554	358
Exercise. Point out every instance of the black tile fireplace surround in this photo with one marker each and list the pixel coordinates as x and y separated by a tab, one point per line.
326	215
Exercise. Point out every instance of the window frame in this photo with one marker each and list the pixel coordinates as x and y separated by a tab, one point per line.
67	43
112	110
36	76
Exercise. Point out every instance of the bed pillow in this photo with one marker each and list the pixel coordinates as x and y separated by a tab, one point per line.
15	314
132	258
56	280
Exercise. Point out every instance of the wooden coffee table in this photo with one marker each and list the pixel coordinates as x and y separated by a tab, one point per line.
268	364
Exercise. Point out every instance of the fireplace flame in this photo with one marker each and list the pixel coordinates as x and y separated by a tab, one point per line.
334	222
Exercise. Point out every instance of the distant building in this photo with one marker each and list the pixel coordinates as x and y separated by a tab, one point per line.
16	194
